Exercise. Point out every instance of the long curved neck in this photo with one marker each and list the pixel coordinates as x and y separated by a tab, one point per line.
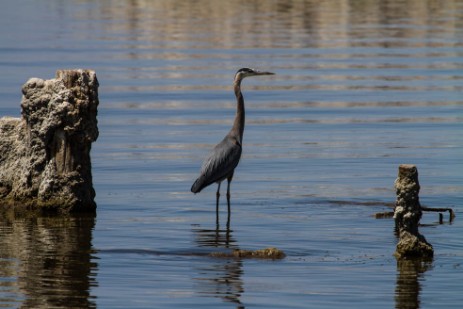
238	125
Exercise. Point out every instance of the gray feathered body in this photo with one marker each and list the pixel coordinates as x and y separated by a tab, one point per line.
220	163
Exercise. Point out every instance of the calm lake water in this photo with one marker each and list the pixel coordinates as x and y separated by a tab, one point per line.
360	87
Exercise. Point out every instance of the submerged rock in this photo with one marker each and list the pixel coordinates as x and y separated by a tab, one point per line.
267	253
407	214
45	155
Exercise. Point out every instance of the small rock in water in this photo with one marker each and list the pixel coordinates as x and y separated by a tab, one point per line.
267	253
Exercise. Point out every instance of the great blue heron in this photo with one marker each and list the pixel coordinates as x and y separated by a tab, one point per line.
220	164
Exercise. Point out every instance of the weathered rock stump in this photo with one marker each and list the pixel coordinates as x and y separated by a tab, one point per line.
407	214
45	155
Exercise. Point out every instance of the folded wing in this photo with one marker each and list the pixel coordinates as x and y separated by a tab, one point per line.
220	163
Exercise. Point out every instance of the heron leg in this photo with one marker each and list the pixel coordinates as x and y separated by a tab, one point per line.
228	194
217	203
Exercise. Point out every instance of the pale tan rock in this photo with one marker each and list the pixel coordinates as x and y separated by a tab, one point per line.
45	155
407	215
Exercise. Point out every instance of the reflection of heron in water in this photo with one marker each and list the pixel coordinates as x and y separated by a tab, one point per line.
219	277
222	161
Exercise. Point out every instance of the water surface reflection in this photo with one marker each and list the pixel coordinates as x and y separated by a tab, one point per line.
48	260
408	286
219	277
361	87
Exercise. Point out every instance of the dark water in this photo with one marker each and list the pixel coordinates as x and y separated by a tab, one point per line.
361	87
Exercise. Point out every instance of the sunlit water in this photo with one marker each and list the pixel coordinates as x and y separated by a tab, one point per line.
360	87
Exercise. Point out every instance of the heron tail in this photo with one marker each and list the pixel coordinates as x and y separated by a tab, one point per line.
197	186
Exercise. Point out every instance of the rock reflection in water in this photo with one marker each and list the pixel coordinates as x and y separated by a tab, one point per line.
220	277
46	262
409	273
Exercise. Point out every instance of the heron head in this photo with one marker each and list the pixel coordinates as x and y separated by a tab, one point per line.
245	72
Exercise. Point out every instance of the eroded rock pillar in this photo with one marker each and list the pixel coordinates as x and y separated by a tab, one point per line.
45	155
407	214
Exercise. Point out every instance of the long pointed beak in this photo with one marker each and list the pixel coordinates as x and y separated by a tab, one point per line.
264	73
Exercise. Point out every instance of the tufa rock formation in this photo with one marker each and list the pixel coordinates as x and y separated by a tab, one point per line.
407	214
45	155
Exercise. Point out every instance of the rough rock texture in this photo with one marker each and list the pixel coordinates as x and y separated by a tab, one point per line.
45	156
407	214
